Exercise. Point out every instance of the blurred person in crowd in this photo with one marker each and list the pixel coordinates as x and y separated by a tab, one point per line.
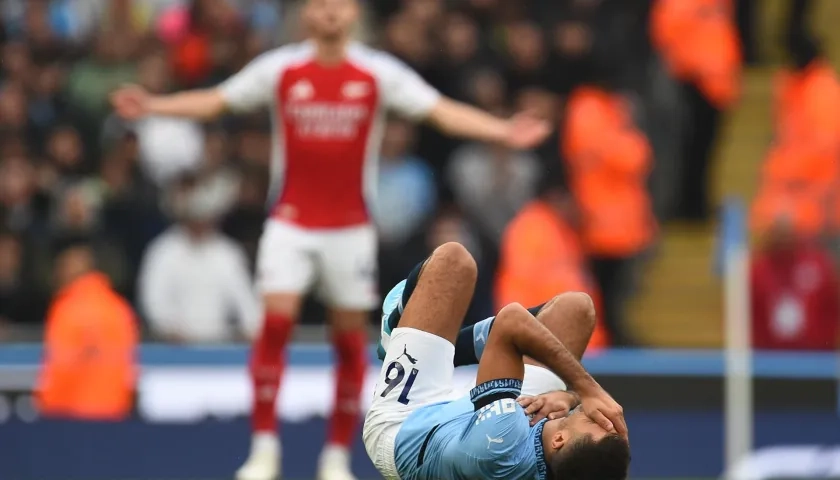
215	170
699	43
46	105
406	200
608	160
91	80
19	300
542	254
795	292
800	172
244	222
194	285
89	366
329	96
76	212
40	32
13	114
169	146
19	210
491	183
17	62
526	56
66	153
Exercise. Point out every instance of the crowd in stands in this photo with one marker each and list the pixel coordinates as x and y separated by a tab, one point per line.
637	89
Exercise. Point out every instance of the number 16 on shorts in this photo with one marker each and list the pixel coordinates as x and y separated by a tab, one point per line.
394	376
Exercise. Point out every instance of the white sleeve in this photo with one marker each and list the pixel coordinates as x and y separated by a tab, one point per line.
404	91
243	295
155	288
253	86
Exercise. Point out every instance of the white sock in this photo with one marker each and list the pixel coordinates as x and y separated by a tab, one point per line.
265	441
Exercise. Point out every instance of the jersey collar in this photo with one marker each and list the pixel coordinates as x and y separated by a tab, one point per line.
539	450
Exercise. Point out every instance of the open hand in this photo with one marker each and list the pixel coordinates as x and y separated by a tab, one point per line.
602	409
551	405
526	131
130	102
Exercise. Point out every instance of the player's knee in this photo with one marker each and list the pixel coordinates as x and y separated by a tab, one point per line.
580	306
456	260
510	316
282	304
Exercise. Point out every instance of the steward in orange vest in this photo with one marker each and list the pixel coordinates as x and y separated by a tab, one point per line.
89	365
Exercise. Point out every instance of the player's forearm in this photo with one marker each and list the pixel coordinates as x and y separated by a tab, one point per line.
196	104
533	339
461	120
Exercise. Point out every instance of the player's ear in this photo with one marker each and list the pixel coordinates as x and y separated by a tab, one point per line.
559	439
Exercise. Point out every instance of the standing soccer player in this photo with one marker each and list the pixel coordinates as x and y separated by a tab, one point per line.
328	98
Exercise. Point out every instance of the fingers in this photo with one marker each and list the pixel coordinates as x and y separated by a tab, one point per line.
601	420
618	419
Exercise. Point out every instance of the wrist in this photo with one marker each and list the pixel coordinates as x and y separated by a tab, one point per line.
584	386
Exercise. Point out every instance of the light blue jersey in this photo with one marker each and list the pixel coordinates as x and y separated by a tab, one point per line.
484	435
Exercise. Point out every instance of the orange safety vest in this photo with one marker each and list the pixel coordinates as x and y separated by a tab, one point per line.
699	43
800	174
89	369
609	160
541	256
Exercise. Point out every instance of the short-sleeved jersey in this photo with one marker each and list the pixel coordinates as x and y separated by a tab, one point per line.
485	435
327	126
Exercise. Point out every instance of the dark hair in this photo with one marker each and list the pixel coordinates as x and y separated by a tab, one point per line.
586	459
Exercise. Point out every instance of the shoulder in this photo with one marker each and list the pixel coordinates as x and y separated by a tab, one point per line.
285	56
378	62
165	242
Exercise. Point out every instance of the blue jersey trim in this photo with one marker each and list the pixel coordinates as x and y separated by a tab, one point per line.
539	450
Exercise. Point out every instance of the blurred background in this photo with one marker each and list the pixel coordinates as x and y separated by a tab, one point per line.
709	218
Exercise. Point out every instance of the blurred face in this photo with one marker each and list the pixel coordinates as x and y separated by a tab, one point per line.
13	107
65	147
10	253
17	180
460	38
526	45
154	73
71	264
331	20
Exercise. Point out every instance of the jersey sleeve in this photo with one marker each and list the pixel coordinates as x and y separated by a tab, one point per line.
253	86
404	91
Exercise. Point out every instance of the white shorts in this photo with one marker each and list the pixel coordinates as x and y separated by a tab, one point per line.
340	264
418	370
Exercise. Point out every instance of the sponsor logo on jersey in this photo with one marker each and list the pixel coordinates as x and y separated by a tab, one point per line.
355	90
301	90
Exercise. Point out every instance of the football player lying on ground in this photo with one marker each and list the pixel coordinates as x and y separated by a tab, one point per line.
419	429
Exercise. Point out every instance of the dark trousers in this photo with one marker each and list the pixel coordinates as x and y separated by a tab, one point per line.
612	275
702	127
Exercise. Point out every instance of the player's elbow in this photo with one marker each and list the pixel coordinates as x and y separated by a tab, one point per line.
458	261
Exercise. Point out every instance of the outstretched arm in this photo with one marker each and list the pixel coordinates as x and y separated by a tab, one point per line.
461	120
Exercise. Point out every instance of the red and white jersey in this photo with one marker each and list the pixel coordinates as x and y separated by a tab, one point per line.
328	123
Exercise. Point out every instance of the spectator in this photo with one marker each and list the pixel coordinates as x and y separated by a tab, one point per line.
194	281
405	202
800	172
492	183
19	302
168	146
609	161
794	293
699	43
91	337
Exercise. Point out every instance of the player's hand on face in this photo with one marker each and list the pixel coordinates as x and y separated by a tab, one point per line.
526	131
130	102
550	405
602	409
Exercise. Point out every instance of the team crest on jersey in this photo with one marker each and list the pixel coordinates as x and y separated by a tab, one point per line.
355	90
301	90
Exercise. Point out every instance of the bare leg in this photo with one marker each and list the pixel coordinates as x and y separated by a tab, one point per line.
443	294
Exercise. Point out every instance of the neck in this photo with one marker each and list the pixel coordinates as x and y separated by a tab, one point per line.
330	52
